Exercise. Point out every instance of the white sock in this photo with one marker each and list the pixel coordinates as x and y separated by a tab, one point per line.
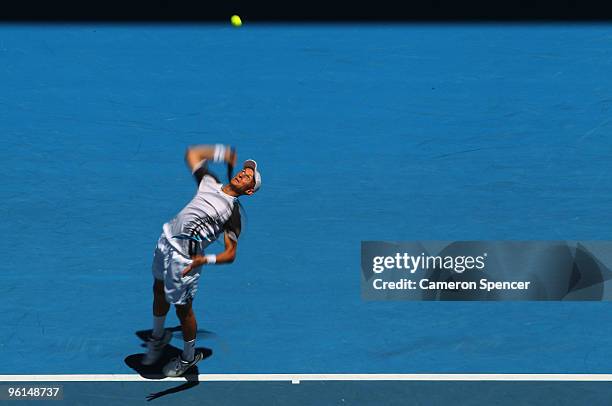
188	350
158	326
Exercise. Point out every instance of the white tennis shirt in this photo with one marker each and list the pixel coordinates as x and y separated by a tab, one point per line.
210	213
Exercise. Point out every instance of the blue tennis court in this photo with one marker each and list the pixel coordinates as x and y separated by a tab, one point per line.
362	132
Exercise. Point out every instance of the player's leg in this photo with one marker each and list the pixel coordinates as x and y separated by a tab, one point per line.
189	326
160	308
181	294
159	336
179	365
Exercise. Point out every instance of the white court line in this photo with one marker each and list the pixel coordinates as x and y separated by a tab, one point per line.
297	378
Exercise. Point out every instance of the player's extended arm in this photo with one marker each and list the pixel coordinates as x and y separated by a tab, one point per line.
217	153
225	257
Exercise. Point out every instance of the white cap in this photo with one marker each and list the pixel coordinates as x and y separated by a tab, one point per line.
249	163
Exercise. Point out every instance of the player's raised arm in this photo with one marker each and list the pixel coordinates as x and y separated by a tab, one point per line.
195	154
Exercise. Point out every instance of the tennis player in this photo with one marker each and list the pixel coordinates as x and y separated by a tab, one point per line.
179	255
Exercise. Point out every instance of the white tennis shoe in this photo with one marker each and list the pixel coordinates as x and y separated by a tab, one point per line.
155	348
177	367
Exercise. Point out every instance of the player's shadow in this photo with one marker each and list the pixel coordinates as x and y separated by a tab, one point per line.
154	371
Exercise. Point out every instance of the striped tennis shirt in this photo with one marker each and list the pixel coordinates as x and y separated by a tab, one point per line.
210	213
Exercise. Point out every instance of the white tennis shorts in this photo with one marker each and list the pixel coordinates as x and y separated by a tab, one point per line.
168	266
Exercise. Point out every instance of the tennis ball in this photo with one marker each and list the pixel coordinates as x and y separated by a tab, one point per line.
236	21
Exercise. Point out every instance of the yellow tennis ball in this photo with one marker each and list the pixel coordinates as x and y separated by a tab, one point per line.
236	21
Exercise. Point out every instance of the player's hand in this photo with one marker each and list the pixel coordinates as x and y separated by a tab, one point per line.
196	262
